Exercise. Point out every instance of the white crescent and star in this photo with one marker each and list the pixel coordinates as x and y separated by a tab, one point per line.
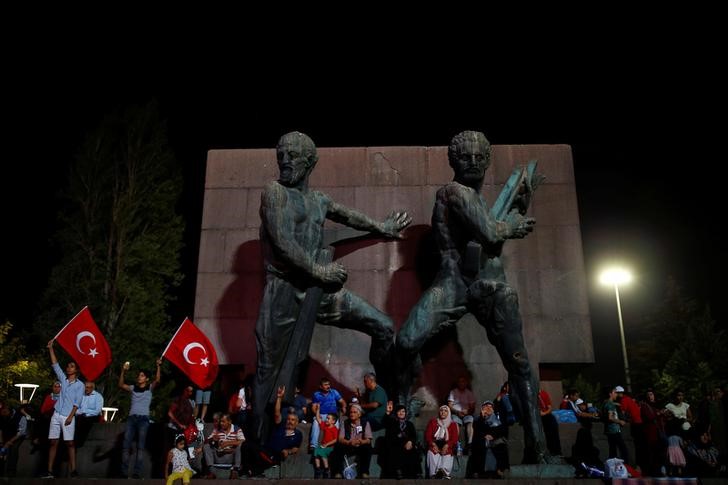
79	336
185	353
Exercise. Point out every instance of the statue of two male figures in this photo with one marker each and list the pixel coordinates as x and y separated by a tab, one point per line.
304	286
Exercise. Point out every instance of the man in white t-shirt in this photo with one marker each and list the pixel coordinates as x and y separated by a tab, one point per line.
461	401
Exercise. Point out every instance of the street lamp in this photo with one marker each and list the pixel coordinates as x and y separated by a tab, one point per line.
616	277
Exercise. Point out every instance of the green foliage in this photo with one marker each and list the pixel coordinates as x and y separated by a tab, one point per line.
20	367
119	240
589	390
681	347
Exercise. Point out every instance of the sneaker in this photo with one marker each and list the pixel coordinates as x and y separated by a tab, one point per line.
365	476
317	473
233	474
136	476
48	475
73	474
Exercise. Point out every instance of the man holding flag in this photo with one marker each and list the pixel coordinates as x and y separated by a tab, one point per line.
91	354
64	411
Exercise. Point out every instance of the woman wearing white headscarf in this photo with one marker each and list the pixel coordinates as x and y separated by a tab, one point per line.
441	436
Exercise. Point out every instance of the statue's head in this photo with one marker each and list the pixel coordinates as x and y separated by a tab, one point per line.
469	156
296	156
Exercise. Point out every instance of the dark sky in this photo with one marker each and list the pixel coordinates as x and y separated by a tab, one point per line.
648	173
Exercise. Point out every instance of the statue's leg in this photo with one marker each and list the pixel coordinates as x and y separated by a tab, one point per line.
278	312
495	306
441	305
347	310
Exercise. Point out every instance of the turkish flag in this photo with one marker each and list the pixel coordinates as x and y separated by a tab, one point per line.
84	342
192	352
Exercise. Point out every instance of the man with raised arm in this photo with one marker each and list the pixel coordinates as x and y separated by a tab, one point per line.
64	412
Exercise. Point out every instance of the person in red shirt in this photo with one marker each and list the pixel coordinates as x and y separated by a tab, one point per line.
329	436
632	412
550	425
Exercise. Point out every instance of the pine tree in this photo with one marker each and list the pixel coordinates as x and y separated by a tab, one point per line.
120	240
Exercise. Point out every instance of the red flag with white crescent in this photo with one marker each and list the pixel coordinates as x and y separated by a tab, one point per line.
192	352
84	342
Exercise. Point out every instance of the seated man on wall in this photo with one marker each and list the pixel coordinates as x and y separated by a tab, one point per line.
223	446
373	402
89	412
462	405
330	402
284	441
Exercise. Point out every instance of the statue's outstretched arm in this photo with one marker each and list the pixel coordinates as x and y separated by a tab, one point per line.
390	227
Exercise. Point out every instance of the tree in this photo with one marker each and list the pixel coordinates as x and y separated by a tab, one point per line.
680	347
119	239
18	366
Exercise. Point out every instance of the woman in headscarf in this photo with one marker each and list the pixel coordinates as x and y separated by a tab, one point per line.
402	459
489	458
441	436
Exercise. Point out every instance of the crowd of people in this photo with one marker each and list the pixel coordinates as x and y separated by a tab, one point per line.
670	438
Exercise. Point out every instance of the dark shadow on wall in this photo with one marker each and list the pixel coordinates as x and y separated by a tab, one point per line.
442	356
237	310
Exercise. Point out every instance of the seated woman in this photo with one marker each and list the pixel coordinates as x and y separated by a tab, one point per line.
441	436
489	457
702	456
401	458
355	438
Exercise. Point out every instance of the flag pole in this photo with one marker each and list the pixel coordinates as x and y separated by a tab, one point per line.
173	336
69	322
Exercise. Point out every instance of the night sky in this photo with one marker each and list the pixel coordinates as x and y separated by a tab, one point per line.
648	172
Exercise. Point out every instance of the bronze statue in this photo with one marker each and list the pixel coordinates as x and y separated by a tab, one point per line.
471	278
302	285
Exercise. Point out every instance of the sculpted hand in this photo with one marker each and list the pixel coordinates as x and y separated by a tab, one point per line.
331	273
394	223
519	226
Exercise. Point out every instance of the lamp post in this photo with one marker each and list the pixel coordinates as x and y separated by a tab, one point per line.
615	277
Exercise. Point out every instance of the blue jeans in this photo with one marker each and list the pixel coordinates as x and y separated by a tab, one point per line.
135	425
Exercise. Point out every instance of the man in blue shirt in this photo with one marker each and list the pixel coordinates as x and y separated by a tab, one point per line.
88	413
329	400
284	441
64	412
